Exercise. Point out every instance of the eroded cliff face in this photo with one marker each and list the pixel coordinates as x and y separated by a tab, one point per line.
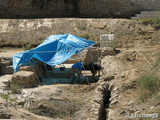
70	8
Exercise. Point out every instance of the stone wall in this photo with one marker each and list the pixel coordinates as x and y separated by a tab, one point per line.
108	8
74	8
147	4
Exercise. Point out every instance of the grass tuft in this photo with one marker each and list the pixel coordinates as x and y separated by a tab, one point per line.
28	46
15	89
86	36
5	96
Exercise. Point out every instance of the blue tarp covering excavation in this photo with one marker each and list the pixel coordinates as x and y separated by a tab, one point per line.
55	50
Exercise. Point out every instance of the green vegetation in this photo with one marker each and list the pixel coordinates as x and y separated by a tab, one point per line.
15	89
148	85
5	96
55	108
28	46
154	22
86	36
82	27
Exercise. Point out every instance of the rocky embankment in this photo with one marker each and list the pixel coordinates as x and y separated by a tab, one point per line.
128	33
117	92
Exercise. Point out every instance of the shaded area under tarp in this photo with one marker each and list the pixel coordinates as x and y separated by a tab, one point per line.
59	76
49	81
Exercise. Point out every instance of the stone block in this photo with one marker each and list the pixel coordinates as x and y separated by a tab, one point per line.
5	61
6	69
25	79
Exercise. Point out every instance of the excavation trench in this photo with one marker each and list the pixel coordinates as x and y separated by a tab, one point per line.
104	97
105	105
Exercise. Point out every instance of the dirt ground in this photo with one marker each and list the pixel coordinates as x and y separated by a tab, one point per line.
139	53
128	64
64	92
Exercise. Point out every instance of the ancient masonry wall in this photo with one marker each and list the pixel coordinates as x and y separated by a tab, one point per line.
148	4
74	8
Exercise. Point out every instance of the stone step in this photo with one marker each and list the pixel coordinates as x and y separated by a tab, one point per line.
147	14
150	12
3	81
150	15
142	17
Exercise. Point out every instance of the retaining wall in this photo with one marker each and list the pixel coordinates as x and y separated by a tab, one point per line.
74	8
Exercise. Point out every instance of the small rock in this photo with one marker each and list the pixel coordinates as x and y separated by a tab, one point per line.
122	112
137	112
130	103
114	102
152	107
143	109
96	113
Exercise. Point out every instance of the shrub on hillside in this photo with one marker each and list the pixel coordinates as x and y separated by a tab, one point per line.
86	36
15	89
148	85
154	22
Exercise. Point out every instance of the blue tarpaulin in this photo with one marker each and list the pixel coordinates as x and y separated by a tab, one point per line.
55	50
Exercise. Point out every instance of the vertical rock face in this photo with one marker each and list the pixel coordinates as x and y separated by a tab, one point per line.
74	8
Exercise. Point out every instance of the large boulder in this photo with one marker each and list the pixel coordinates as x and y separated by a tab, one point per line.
25	79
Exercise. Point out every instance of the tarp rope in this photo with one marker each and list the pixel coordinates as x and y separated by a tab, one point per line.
51	51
